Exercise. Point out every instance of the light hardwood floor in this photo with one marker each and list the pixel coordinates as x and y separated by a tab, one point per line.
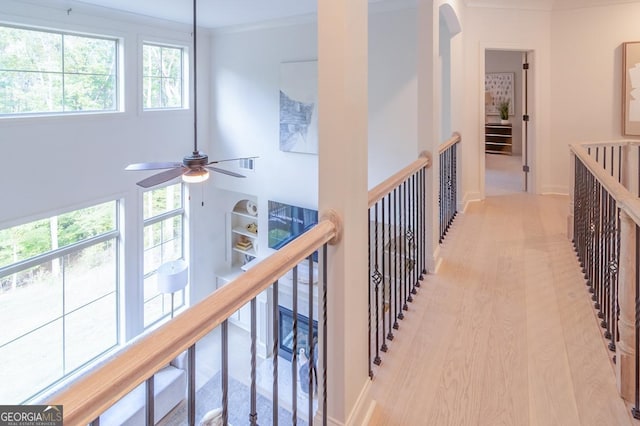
504	333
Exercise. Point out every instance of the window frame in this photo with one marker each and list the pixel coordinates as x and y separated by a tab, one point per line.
118	92
184	70
114	235
159	218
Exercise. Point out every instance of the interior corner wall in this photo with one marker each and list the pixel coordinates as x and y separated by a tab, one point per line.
245	70
508	29
586	99
393	96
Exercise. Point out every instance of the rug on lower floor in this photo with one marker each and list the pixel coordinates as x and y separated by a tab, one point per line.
209	397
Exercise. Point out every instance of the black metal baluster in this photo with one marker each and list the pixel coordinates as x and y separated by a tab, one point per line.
324	335
225	371
620	164
401	249
385	271
276	345
150	402
613	268
598	282
96	422
424	224
636	409
405	246
390	266
294	357
455	180
191	385
369	287
410	230
414	241
312	344
396	304
377	278
441	214
253	413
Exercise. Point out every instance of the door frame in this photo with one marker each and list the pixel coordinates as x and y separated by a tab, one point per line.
531	127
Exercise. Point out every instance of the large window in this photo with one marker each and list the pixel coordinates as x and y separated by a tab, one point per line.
58	297
55	72
162	76
163	242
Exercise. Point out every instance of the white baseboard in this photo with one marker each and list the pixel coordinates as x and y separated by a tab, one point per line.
360	414
554	190
470	197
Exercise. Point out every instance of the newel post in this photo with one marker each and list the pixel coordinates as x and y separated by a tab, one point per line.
625	348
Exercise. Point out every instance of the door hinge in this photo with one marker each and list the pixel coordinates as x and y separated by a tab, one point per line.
525	117
525	66
525	169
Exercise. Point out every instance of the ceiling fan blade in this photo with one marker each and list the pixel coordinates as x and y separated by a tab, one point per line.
161	177
231	159
225	172
152	166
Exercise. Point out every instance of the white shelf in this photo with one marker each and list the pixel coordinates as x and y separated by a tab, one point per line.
250	252
246	215
241	231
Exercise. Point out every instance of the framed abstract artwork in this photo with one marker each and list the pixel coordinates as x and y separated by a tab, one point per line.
631	88
299	107
499	87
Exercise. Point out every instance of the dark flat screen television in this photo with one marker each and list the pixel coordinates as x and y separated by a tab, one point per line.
287	222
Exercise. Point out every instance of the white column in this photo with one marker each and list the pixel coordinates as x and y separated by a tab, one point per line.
625	348
343	116
428	117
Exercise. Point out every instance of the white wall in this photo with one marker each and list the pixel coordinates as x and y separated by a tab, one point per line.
245	110
393	97
586	103
55	164
510	29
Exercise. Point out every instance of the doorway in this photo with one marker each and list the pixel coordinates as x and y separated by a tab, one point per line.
506	129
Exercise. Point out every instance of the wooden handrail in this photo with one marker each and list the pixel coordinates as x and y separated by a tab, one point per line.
383	188
614	188
454	139
92	395
625	199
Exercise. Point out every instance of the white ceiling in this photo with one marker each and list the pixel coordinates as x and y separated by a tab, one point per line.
222	13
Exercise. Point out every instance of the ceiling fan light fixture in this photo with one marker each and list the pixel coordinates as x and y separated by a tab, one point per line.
195	176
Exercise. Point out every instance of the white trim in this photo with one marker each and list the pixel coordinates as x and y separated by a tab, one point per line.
369	414
362	409
470	197
555	190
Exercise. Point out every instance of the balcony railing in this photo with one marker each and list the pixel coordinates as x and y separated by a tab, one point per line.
448	191
605	229
399	232
397	251
87	399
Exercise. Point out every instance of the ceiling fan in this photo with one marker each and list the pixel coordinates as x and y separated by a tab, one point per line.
195	167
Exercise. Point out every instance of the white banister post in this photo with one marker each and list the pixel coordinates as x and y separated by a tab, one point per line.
625	348
342	164
429	119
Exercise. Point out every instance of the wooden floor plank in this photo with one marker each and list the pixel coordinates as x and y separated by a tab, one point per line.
505	333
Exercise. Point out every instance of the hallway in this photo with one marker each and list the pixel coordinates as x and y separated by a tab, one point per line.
505	333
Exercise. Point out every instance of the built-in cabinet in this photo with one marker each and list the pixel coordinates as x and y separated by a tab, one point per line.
498	138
